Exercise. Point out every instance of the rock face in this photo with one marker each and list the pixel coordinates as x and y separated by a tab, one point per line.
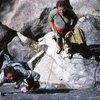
18	14
91	29
75	73
6	35
19	51
84	7
29	17
79	72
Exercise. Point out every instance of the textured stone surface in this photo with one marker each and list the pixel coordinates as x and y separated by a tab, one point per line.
6	35
30	18
19	51
91	28
23	15
52	94
48	77
84	7
76	73
18	13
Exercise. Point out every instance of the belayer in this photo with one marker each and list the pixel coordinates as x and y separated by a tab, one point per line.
62	20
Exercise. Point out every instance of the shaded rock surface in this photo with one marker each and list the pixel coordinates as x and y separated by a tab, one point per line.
52	94
6	35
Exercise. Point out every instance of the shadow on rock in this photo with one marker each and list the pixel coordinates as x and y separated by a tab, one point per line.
50	91
95	51
87	51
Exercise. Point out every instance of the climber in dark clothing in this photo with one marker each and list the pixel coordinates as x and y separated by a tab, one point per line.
18	71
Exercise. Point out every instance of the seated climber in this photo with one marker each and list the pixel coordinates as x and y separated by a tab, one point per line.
60	22
16	72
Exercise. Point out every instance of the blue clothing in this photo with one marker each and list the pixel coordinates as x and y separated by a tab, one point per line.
10	62
21	74
20	71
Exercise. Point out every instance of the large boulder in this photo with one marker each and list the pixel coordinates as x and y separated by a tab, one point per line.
30	17
84	7
79	72
91	29
18	14
75	73
6	35
90	26
19	51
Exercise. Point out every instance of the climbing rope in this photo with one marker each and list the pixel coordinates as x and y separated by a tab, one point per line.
50	69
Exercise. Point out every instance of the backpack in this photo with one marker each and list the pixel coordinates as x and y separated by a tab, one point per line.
78	36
